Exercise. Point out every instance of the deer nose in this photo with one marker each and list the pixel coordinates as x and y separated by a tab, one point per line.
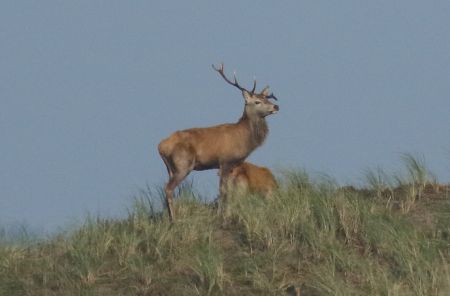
276	107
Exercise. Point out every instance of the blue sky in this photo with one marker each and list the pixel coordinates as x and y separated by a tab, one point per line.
89	88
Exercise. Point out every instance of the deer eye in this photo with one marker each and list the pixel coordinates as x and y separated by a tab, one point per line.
257	102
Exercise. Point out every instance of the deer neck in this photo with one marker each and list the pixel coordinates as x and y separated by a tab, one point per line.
257	129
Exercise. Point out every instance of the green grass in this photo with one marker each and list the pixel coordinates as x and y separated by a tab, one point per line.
311	234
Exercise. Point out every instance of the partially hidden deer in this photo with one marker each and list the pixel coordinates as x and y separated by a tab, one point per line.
218	147
250	178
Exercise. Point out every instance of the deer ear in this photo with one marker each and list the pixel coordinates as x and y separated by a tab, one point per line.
246	96
265	91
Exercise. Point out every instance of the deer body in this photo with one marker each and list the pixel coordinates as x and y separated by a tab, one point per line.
249	178
210	147
217	147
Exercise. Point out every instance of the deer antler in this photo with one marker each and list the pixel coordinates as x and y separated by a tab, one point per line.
254	86
271	96
235	83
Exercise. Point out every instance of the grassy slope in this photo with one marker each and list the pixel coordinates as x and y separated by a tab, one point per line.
311	235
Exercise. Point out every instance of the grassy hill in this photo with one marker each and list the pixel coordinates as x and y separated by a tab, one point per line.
391	237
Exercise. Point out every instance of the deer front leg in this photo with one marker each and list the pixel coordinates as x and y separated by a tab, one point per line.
224	173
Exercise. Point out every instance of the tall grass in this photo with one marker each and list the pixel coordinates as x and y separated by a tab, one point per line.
310	235
404	188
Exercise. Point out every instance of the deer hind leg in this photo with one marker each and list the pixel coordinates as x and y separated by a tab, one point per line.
178	166
168	166
168	189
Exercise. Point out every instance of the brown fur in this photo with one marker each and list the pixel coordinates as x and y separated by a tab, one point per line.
221	146
247	177
211	146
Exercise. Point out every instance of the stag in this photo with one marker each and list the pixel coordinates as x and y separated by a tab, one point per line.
250	178
217	147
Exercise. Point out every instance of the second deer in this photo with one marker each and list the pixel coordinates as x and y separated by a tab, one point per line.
250	178
217	147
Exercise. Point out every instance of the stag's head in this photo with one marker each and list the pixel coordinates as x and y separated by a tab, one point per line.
259	104
256	104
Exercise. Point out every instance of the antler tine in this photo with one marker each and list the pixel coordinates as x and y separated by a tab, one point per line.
217	69
254	86
265	91
272	96
221	72
235	79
